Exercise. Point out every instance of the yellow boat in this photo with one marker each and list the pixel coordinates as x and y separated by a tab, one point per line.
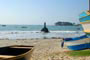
16	52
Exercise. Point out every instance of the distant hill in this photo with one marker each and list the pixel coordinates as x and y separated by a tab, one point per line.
64	24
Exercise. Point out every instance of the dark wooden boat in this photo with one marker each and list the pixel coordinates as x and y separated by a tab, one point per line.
4	25
16	52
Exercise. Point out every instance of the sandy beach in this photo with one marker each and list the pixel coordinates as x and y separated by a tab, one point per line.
38	29
44	49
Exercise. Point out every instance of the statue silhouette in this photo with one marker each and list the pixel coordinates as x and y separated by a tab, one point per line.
45	29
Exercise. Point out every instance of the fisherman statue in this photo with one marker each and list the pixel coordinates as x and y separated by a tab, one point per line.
45	29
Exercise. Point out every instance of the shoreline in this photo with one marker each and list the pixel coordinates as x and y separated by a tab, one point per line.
27	35
33	38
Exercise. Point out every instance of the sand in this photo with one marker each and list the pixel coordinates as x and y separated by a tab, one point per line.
44	49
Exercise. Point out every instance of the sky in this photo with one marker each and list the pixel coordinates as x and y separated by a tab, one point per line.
37	12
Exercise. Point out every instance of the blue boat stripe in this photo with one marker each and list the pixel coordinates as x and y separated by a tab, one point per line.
79	47
74	39
83	19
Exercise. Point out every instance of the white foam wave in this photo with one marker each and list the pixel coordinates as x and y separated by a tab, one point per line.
38	34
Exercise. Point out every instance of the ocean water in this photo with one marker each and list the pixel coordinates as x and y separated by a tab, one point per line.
38	28
33	31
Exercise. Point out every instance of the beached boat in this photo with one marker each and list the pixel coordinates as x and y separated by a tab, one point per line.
82	42
77	43
16	52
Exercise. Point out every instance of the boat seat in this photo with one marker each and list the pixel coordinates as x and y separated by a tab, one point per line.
6	56
22	47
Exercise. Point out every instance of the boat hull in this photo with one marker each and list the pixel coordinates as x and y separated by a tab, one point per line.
78	43
79	47
16	52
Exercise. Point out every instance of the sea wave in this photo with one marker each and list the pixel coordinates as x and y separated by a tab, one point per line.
38	34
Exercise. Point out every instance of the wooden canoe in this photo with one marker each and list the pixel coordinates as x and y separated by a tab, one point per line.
16	52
